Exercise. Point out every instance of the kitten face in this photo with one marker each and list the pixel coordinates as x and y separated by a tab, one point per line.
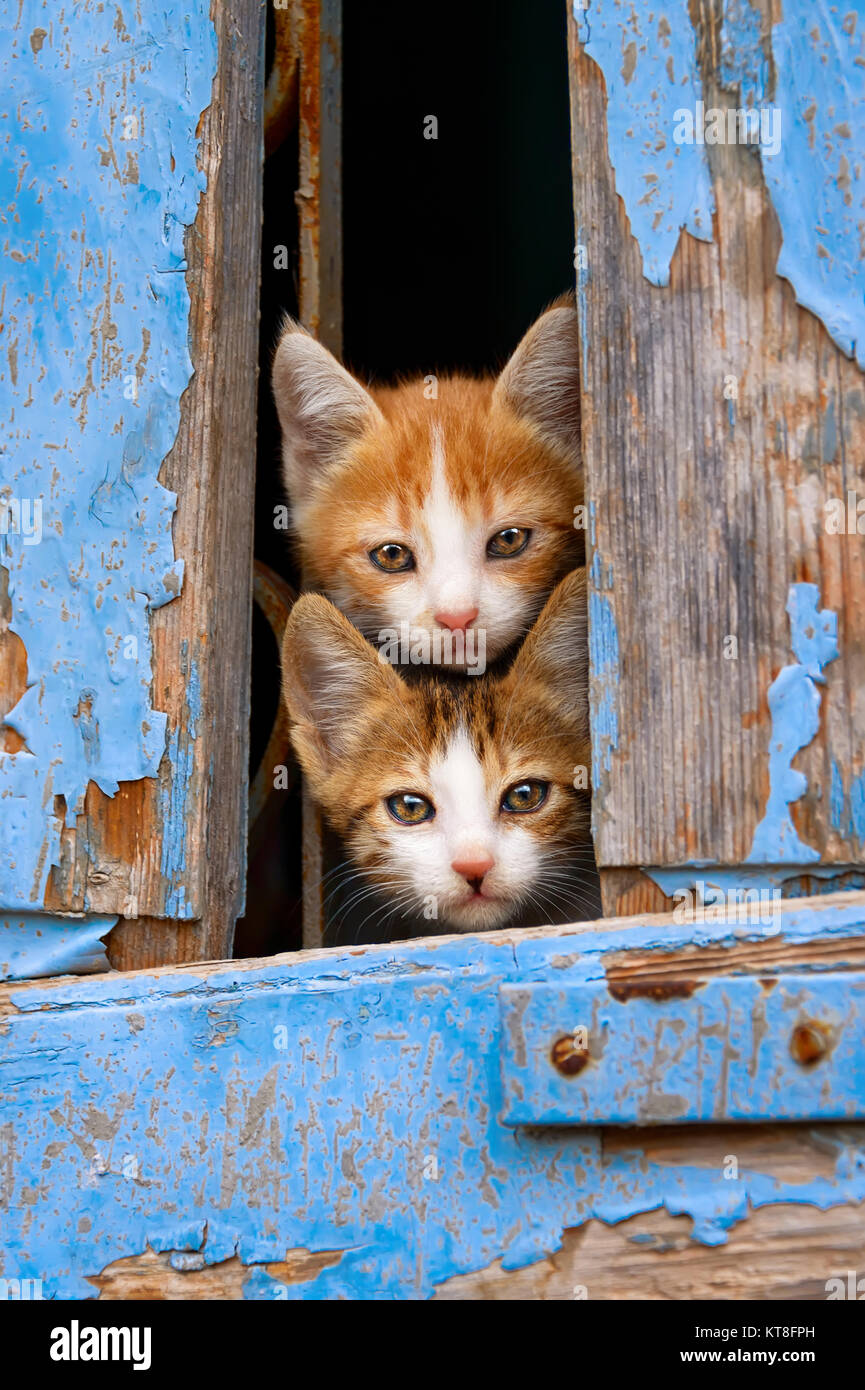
457	794
450	514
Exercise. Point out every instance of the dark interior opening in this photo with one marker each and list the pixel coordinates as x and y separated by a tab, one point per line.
452	246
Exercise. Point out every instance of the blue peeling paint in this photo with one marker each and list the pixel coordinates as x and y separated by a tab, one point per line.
847	808
603	668
174	799
816	176
817	184
34	946
794	704
348	1103
719	1054
648	57
743	60
604	657
699	885
98	153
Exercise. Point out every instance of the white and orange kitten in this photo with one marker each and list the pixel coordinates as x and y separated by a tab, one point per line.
462	804
437	506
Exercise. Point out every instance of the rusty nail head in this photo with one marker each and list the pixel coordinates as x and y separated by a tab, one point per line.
568	1055
809	1042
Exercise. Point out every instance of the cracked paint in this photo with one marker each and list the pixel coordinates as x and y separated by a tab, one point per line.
34	945
648	57
354	1105
808	70
794	704
99	153
604	673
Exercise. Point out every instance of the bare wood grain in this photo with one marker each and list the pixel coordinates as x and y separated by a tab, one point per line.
704	524
768	956
319	194
13	669
785	1252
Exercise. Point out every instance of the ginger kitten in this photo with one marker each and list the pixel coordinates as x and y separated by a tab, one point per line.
455	798
439	509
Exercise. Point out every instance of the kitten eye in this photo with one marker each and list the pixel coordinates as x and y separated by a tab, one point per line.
410	808
512	541
525	796
392	558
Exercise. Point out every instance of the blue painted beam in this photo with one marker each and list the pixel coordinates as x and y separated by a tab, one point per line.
348	1101
789	1047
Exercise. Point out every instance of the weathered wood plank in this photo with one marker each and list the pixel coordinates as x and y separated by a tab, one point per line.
319	202
347	1103
319	195
810	933
212	469
126	679
784	1253
720	419
781	1253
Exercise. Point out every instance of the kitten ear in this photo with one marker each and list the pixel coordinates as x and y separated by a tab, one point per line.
322	408
330	673
541	382
555	652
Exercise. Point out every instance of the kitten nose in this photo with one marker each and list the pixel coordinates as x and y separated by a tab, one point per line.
473	870
457	622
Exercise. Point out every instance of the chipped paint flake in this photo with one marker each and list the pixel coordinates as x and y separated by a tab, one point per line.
99	158
35	945
817	183
603	672
648	58
803	81
794	704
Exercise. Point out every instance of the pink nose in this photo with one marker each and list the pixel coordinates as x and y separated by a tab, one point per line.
473	870
457	622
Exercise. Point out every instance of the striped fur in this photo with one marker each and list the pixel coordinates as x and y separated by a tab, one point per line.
362	733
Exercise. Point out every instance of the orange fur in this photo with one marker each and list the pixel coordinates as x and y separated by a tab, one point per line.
497	465
359	467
